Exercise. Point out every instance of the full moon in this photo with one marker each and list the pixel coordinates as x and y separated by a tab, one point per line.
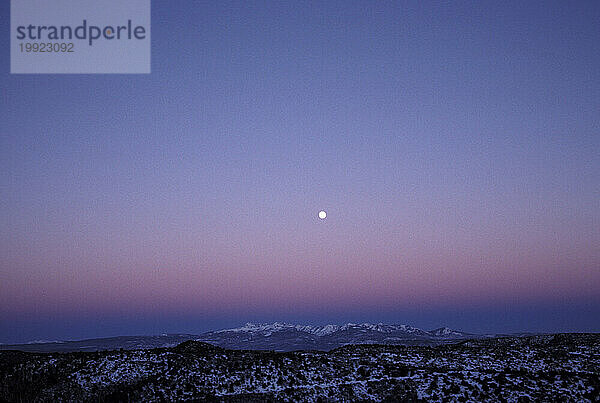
322	215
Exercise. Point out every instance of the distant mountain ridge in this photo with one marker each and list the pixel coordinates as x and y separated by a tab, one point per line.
330	329
101	344
277	336
288	337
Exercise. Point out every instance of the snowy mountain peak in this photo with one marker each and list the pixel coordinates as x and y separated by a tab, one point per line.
446	332
269	328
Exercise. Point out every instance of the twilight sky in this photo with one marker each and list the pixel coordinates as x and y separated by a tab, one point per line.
455	148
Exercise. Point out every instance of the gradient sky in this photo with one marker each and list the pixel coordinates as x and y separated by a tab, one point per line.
455	147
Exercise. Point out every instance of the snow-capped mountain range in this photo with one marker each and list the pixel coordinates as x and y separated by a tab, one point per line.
274	336
286	337
269	328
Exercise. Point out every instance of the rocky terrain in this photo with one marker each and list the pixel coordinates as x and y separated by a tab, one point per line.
561	367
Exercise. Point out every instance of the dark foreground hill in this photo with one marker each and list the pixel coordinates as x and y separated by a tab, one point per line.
562	367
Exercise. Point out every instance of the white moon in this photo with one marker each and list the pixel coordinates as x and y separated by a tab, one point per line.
322	215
